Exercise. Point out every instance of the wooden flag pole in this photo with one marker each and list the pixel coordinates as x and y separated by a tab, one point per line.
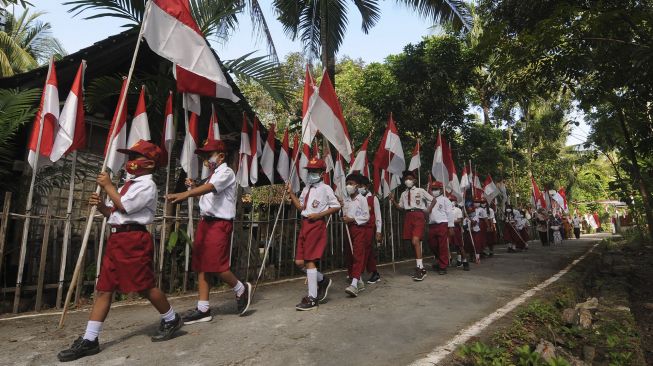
93	209
66	232
30	196
162	242
190	229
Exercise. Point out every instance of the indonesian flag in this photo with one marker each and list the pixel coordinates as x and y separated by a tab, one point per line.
267	157
140	129
339	176
360	162
439	170
212	135
303	161
294	179
244	153
563	194
464	180
283	164
328	161
454	183
71	131
478	188
558	199
309	89
538	197
390	154
172	33
591	220
191	142
48	115
490	189
415	161
168	135
324	114
115	161
595	216
255	148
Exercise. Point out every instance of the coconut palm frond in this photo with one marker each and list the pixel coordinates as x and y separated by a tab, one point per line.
370	13
130	10
13	58
261	70
454	12
261	28
216	19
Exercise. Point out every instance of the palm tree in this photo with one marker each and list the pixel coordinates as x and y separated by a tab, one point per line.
321	24
26	42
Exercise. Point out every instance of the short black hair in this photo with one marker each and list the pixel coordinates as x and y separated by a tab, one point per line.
365	180
355	177
409	173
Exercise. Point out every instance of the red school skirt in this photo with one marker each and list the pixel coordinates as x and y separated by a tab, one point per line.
212	246
312	240
127	264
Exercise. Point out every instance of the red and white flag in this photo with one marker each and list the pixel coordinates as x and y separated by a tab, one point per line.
71	132
294	179
389	155
538	197
415	161
267	157
191	142
339	176
304	157
283	164
328	161
324	114
255	149
48	116
454	183
439	169
140	128
478	187
309	89
212	135
360	162
563	194
172	33
242	177
115	161
490	190
464	180
168	135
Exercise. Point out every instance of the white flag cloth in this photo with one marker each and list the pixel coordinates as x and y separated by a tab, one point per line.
439	169
71	132
339	176
168	136
115	160
48	117
212	135
360	162
303	161
490	190
397	163
255	152
283	164
415	161
140	128
242	177
267	157
294	178
188	157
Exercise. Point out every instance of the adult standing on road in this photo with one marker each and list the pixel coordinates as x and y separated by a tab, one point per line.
576	222
542	226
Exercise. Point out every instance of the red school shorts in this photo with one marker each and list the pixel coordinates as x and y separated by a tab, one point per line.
127	263
414	223
312	240
211	246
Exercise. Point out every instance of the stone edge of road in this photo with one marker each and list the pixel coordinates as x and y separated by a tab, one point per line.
441	352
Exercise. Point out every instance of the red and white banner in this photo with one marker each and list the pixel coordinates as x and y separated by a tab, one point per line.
267	157
415	161
48	116
255	148
71	131
490	190
242	177
304	157
439	170
140	128
115	161
392	143
283	164
168	134
360	162
563	194
191	142
328	161
454	183
538	197
294	179
339	177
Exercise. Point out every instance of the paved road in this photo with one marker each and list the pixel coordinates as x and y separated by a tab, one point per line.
394	322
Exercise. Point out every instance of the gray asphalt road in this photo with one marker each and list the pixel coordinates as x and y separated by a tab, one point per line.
394	322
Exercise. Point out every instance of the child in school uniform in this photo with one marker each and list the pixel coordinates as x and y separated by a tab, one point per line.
441	226
316	202
375	227
356	215
127	265
211	248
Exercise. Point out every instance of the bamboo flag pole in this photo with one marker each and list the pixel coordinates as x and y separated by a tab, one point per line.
190	229
28	207
67	230
93	209
469	227
162	242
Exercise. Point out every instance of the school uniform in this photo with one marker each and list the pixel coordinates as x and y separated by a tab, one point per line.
482	215
472	221
576	222
414	200
374	226
441	218
312	238
217	211
490	230
357	209
127	264
457	239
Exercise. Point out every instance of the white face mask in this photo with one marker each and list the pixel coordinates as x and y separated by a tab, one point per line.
483	205
363	191
409	183
351	189
508	210
436	193
314	177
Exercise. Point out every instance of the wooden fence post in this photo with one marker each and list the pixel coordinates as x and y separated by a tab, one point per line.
42	259
3	226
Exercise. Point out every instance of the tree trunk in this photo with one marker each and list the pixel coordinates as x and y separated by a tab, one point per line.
637	174
328	56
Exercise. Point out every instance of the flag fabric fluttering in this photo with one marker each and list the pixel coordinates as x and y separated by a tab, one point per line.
360	162
415	161
48	116
294	164
439	170
172	33
558	199
454	183
490	190
324	114
339	176
140	128
191	142
168	134
328	161
538	197
242	177
563	194
464	180
283	164
304	157
115	161
309	89
267	157
254	146
213	134
392	143
71	131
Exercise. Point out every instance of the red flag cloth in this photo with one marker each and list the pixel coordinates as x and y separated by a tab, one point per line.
168	135
71	134
537	194
309	85
48	115
115	161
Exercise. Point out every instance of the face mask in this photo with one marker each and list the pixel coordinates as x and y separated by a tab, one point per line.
139	167
436	193
351	189
314	177
483	205
509	210
362	191
409	183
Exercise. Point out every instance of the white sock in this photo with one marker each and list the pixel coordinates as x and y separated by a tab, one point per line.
465	259
93	329
169	316
320	276
459	257
354	282
203	305
419	263
239	289
311	274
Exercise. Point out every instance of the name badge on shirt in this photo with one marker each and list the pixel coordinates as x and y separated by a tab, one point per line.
440	207
315	203
418	197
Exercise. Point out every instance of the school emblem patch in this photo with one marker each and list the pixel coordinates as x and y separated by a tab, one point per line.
315	203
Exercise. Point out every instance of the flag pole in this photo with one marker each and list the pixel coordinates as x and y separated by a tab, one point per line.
162	242
67	230
190	229
469	227
419	171
93	209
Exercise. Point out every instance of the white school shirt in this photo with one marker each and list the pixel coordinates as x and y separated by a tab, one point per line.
457	213
221	202
473	219
576	221
481	212
418	199
320	199
377	213
442	212
357	209
139	203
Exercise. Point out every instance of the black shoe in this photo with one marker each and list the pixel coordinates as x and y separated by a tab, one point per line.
491	254
80	348
465	266
483	255
442	271
307	303
459	264
323	289
511	250
197	316
419	275
436	267
245	299
167	329
374	278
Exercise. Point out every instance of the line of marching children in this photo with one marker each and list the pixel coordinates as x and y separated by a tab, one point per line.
127	264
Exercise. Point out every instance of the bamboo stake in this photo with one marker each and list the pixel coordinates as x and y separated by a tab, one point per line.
4	225
42	259
103	230
190	229
67	231
162	242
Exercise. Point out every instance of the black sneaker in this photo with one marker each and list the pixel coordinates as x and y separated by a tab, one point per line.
80	348
465	266
511	250
307	303
323	289
491	254
459	264
197	316
245	299
442	271
419	275
167	329
374	278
